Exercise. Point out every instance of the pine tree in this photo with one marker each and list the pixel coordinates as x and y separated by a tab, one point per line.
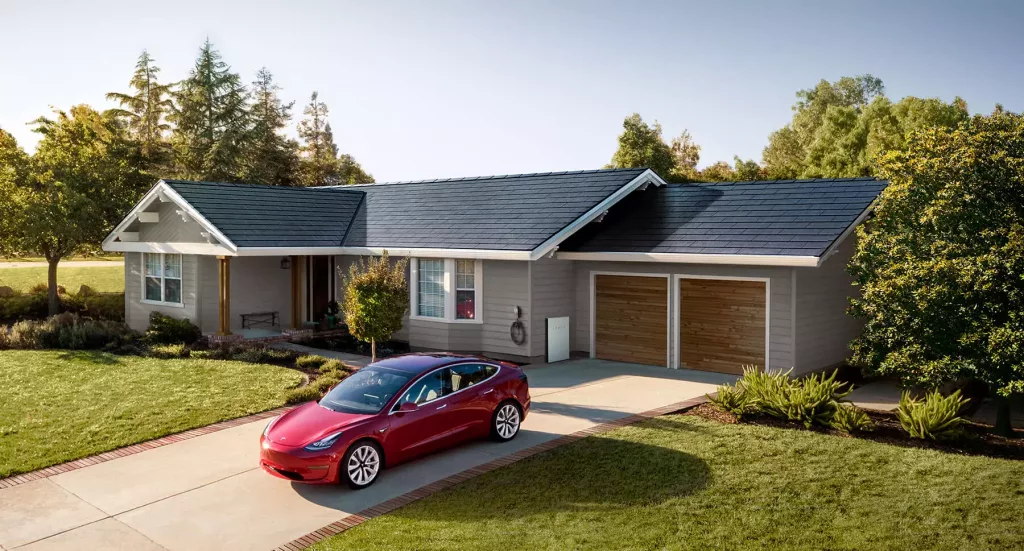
212	120
319	152
270	157
145	110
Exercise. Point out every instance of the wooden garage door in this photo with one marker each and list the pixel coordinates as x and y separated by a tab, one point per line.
721	324
631	318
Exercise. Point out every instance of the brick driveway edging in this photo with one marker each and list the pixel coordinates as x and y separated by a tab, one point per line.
390	505
133	449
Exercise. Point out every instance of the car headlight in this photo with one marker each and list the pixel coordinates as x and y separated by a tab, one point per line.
323	443
270	424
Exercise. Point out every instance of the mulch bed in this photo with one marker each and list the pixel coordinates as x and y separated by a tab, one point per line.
977	438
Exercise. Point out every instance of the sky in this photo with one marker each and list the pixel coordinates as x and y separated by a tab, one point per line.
422	90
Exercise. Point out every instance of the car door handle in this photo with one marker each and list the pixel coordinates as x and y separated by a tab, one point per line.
488	391
442	406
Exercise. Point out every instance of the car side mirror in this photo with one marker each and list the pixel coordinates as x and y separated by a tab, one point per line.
408	407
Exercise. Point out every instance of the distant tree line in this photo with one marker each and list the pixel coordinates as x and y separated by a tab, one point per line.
838	129
92	166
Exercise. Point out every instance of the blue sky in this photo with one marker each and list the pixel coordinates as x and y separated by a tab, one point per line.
444	88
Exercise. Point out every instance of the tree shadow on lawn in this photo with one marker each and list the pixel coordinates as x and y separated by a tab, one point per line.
89	356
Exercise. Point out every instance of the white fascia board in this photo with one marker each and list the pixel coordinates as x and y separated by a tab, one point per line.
161	189
846	233
647	177
734	259
393	251
172	248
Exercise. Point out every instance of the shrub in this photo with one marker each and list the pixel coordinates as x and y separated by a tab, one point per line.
935	417
23	306
811	400
167	330
70	332
732	399
85	291
333	366
253	355
324	383
108	306
849	418
169	351
302	394
39	289
310	361
217	353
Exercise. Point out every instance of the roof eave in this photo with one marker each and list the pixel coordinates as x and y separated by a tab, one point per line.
685	258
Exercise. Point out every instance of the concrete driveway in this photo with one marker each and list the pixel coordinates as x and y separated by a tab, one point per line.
208	492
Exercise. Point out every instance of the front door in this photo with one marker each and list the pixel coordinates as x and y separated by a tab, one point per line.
320	289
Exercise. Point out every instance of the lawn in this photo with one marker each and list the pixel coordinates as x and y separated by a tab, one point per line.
683	482
63	405
103	279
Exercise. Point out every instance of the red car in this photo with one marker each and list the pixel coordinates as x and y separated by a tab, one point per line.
393	411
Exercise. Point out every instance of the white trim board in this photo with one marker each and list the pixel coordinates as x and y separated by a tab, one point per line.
733	259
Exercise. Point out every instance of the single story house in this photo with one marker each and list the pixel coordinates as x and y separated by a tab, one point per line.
615	264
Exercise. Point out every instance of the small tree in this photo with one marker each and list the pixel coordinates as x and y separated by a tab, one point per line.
376	298
941	266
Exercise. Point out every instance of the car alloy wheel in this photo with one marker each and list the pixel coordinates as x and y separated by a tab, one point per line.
362	464
506	421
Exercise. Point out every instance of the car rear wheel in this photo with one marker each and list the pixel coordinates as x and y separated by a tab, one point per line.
361	464
505	422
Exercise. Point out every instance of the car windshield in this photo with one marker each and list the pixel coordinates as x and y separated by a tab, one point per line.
365	391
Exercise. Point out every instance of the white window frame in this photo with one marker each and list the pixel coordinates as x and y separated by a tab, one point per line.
163	278
449	291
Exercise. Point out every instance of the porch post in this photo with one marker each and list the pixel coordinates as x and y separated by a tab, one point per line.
296	293
224	294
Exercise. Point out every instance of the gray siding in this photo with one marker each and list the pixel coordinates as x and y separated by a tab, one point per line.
506	285
780	347
552	294
823	329
258	284
170	228
136	313
209	310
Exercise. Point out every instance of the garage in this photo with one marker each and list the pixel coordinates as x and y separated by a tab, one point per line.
722	324
631	318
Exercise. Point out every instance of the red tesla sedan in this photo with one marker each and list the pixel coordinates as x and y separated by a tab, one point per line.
393	411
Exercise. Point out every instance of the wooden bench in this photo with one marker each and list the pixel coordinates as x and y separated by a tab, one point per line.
259	318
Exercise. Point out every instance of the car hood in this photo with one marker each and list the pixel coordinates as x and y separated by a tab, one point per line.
308	423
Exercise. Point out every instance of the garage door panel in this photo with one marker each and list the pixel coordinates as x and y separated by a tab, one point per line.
721	324
631	318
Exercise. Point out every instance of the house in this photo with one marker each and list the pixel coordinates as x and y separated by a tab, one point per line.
704	276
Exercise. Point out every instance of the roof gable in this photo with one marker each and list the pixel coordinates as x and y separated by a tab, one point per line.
797	218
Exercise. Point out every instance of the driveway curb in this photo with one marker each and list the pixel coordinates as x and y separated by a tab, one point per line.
390	505
133	449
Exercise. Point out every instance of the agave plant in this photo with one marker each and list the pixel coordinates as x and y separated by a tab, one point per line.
935	417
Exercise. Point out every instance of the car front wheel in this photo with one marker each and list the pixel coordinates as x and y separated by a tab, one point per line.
361	465
505	422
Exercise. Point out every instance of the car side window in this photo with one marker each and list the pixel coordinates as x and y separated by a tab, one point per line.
467	375
428	388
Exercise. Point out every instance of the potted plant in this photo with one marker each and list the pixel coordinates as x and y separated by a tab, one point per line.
332	313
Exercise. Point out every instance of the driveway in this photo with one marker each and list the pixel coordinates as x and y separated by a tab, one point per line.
208	492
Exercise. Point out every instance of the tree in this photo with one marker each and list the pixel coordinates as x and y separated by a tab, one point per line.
376	298
14	177
319	152
747	170
641	145
941	265
717	172
211	120
685	156
351	172
839	129
270	157
145	110
86	174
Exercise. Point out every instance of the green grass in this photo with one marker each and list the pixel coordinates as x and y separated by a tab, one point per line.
57	405
682	482
113	257
103	279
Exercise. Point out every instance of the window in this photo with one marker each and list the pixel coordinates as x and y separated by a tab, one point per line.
467	375
365	391
446	290
161	280
431	288
465	289
429	388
